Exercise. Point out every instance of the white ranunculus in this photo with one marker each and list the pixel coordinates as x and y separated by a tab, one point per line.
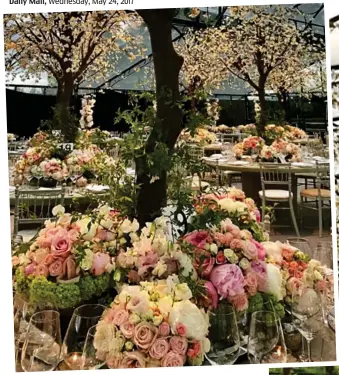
273	251
87	229
188	314
58	210
274	283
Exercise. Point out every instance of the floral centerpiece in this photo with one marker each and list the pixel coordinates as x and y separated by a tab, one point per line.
281	148
247	129
153	325
233	266
227	203
200	137
69	261
11	137
248	145
293	133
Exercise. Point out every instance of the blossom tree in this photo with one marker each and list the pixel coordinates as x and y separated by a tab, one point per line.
256	42
73	48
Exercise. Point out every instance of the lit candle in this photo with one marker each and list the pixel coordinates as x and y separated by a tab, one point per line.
74	361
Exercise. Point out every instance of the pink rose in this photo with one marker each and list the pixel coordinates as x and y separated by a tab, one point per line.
250	251
56	268
164	329
259	268
203	262
288	253
228	280
127	329
41	270
159	349
212	294
260	248
100	261
144	335
133	360
181	329
220	258
251	283
40	255
239	302
223	239
179	345
293	284
30	269
120	317
172	359
61	244
198	238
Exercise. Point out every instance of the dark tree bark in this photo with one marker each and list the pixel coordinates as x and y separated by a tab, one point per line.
167	64
283	100
262	121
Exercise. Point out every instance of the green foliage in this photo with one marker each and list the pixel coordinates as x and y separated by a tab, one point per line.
43	291
67	295
255	303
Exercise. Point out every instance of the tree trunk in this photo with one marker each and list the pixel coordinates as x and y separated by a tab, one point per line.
152	197
283	100
262	118
62	113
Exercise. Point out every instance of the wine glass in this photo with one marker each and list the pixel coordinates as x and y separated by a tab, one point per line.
41	349
301	244
263	336
323	253
83	318
224	337
254	155
90	358
306	306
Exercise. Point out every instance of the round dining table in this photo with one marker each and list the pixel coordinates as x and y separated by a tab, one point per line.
250	175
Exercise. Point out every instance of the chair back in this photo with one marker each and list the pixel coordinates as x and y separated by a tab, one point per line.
323	179
34	206
274	174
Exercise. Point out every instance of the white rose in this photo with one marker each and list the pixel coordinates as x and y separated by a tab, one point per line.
139	303
214	248
165	305
182	292
191	317
58	210
274	284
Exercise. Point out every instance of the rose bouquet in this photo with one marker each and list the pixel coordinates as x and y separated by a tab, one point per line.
291	151
248	145
200	136
248	129
273	132
153	325
69	261
231	262
228	203
293	133
295	268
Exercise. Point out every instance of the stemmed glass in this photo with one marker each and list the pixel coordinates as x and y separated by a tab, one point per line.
323	253
83	318
263	336
42	345
90	359
301	244
225	338
306	305
254	155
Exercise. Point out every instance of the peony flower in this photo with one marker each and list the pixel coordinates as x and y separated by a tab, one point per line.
159	349
228	280
164	329
99	263
259	268
274	284
188	314
133	359
212	294
145	335
172	359
179	345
